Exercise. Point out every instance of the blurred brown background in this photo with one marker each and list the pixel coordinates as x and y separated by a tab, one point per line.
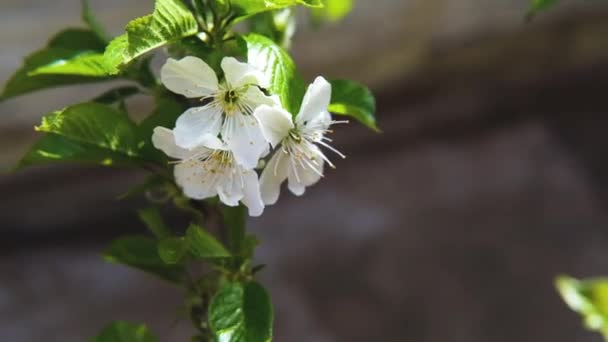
489	179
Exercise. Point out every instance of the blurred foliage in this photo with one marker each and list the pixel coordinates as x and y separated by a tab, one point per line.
589	298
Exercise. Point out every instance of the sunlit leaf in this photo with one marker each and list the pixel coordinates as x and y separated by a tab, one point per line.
241	313
86	64
279	68
63	47
333	10
355	100
53	148
246	8
169	22
589	298
94	124
121	331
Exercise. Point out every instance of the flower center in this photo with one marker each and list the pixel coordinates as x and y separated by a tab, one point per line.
231	99
295	135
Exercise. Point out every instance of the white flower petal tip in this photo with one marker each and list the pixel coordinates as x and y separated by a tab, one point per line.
275	122
189	76
240	74
195	123
164	140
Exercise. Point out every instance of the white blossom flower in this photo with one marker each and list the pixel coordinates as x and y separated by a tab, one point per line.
299	159
210	169
229	113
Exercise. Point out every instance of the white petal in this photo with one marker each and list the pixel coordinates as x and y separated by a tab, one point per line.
273	176
243	136
163	139
275	123
254	97
212	142
301	176
230	188
192	127
251	194
190	176
189	76
315	103
238	74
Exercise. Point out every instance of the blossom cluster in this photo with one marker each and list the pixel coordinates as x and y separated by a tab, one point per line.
219	145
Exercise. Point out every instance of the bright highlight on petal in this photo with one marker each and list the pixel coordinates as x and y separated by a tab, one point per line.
189	76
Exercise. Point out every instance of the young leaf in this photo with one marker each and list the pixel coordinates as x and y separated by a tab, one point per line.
246	8
89	64
172	250
589	298
279	68
91	21
141	252
61	49
121	331
169	22
241	313
333	10
53	148
153	220
94	124
355	100
203	245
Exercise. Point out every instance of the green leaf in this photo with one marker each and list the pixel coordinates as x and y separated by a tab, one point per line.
279	68
203	245
167	110
172	250
53	148
153	220
589	298
277	25
86	64
355	100
333	10
538	6
241	313
116	95
141	252
121	331
91	21
94	124
169	22
63	47
77	39
246	8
